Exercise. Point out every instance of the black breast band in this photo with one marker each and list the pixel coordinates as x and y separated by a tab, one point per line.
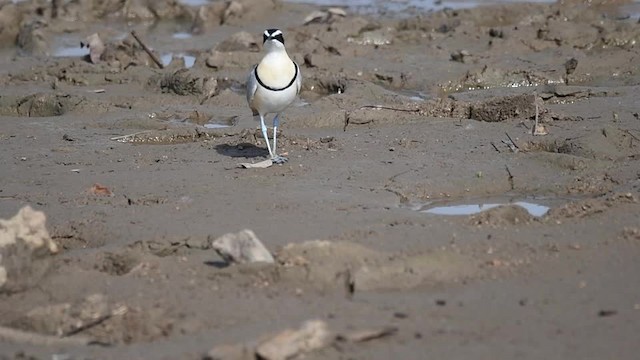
277	89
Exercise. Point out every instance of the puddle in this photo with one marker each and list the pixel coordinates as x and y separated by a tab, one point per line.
399	6
70	51
182	35
189	60
471	209
204	120
413	95
216	126
194	2
534	209
630	11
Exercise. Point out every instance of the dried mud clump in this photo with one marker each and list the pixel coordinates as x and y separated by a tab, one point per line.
502	216
43	105
505	108
25	250
184	82
590	207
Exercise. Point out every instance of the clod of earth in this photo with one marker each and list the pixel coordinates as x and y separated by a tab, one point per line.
184	82
241	41
25	250
44	105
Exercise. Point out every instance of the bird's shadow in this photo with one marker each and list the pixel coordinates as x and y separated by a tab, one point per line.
243	150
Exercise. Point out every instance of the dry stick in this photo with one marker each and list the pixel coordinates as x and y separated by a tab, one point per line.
513	142
494	146
381	107
535	127
511	184
122	137
88	325
24	337
346	121
146	48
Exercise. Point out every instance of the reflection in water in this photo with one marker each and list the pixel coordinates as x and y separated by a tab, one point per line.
195	2
372	5
188	59
70	51
470	209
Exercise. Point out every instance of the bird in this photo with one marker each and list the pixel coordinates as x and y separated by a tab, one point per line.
272	85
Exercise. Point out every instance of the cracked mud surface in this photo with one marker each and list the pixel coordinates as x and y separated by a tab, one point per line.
396	114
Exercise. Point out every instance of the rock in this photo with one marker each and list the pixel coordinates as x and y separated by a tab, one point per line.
242	247
241	41
9	22
138	11
209	16
233	10
368	334
325	16
96	47
32	40
215	60
25	250
312	335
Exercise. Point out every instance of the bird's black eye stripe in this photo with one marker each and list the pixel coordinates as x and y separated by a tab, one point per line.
272	34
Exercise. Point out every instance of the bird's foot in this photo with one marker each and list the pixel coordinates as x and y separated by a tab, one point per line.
279	159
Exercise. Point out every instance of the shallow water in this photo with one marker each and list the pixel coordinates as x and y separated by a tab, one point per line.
396	6
195	2
189	60
182	35
70	51
536	206
470	209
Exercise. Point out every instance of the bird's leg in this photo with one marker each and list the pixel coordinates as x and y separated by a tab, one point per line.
264	133
277	159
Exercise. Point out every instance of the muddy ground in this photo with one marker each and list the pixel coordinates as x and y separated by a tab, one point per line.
136	169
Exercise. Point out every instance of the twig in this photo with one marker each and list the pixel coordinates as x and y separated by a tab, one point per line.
146	48
511	184
381	107
122	137
632	138
24	337
88	325
494	146
346	121
512	142
535	127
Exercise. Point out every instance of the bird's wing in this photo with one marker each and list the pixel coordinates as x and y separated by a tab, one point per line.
298	79
252	85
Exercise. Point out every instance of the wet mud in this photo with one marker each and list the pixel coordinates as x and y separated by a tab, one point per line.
504	108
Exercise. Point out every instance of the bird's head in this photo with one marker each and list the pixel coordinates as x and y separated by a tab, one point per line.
272	39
